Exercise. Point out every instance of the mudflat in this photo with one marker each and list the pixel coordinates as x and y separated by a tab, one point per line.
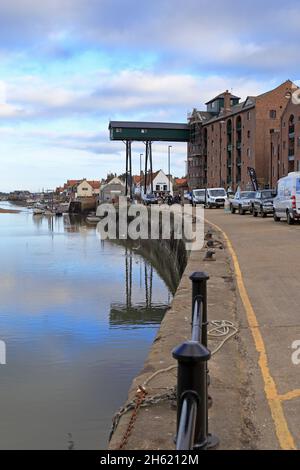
9	211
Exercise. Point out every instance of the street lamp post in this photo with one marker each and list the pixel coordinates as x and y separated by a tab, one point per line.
169	171
141	172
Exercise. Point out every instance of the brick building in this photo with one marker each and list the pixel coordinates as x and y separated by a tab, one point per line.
232	135
285	141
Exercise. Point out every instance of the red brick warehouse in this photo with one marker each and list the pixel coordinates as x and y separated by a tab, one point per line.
232	135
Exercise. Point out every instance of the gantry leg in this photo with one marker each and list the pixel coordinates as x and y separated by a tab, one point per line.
146	167
151	168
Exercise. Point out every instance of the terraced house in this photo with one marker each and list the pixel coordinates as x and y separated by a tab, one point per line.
231	136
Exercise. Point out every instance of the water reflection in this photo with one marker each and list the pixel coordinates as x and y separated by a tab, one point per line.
130	313
69	313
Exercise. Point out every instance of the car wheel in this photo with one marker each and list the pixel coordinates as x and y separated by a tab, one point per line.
276	219
232	209
289	219
241	211
254	213
262	212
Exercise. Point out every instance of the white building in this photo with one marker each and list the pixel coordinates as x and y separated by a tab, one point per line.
161	183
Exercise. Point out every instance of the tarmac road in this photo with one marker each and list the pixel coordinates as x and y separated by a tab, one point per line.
268	254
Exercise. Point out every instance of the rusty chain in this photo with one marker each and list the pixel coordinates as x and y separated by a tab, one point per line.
153	400
139	398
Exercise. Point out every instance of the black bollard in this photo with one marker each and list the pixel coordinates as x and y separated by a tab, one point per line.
199	287
192	386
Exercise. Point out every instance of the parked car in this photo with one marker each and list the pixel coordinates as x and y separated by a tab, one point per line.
149	199
263	202
198	196
242	202
287	201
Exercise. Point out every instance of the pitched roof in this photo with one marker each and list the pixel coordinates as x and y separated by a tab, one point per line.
72	182
95	184
237	108
151	177
180	181
114	180
136	179
201	116
221	95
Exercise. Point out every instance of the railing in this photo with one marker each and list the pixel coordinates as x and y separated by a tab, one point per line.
192	377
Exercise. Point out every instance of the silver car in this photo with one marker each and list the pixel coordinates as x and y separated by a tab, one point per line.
242	202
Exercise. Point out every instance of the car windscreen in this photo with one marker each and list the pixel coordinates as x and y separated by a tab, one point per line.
217	192
248	195
267	194
199	192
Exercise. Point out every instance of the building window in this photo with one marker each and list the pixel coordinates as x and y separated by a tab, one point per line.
298	142
272	114
291	152
157	187
248	153
248	116
291	124
165	187
144	131
284	145
298	165
248	134
118	129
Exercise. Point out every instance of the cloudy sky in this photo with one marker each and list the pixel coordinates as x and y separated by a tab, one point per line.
67	67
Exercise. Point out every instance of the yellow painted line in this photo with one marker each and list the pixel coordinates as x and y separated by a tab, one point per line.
284	436
290	395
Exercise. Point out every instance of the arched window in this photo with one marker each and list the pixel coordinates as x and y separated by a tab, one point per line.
291	146
238	161
291	124
229	152
205	156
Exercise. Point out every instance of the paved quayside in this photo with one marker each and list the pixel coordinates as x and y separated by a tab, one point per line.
269	257
244	415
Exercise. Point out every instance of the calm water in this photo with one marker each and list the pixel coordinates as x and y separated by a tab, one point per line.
78	316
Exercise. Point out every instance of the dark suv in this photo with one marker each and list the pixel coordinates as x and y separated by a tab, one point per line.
262	204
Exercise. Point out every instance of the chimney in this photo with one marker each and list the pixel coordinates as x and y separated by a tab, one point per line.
227	96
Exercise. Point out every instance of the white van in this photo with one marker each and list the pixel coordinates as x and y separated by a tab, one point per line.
215	197
287	201
198	196
211	197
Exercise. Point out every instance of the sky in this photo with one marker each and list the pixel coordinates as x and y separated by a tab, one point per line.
68	67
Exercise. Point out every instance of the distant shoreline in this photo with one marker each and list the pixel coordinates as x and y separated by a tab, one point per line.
9	211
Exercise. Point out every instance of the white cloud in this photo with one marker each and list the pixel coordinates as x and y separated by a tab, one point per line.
195	32
7	110
130	93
